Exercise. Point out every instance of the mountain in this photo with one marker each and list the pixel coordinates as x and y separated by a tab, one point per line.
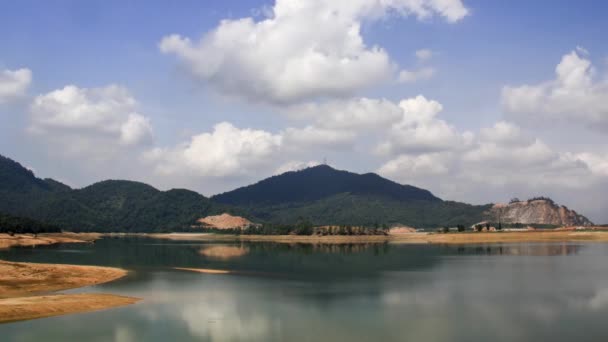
319	195
328	196
536	211
112	205
319	182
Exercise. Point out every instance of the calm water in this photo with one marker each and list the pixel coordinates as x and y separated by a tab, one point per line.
376	292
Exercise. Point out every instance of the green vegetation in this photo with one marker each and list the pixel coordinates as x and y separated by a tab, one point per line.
108	206
320	182
318	195
20	225
361	210
303	228
537	198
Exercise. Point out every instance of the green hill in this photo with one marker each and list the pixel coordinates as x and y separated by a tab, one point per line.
327	196
319	182
320	195
112	205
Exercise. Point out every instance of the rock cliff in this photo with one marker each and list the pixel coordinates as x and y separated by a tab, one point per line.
537	211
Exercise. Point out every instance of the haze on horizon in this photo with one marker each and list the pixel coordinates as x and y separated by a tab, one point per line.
476	101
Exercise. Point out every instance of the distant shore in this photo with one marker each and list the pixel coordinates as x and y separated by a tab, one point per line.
26	289
403	238
29	240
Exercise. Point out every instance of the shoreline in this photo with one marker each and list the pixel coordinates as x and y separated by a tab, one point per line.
403	238
27	290
44	239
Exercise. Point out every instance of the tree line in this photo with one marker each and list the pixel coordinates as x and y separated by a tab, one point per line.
303	227
20	225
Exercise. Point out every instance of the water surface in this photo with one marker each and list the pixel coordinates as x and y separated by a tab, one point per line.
369	292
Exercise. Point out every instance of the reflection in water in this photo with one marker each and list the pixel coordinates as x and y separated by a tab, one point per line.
426	293
340	248
547	249
224	252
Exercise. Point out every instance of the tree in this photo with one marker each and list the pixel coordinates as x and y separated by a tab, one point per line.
460	228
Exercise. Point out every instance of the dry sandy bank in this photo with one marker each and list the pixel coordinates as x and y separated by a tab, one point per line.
414	238
340	239
19	282
496	237
25	240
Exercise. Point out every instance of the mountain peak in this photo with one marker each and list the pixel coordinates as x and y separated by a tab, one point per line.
320	182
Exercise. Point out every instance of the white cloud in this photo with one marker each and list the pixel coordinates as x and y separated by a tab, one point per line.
504	133
502	160
419	130
351	114
308	136
424	54
598	163
573	96
410	76
14	83
307	49
295	165
412	167
95	122
224	152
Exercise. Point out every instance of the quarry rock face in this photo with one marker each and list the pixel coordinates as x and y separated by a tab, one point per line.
542	211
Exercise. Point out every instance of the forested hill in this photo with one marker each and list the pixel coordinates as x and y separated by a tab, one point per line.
326	196
321	182
113	205
320	195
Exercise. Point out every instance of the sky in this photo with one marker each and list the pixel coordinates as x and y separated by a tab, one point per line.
476	100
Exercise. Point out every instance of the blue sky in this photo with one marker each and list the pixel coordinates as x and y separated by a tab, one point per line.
475	50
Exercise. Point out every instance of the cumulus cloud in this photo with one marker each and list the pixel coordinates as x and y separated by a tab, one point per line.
420	131
575	95
14	83
415	166
504	133
500	159
350	114
94	122
597	162
306	49
224	152
317	137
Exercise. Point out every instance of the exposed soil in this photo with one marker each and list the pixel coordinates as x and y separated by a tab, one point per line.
24	290
28	240
416	238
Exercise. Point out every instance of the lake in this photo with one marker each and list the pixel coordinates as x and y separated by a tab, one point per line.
358	292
